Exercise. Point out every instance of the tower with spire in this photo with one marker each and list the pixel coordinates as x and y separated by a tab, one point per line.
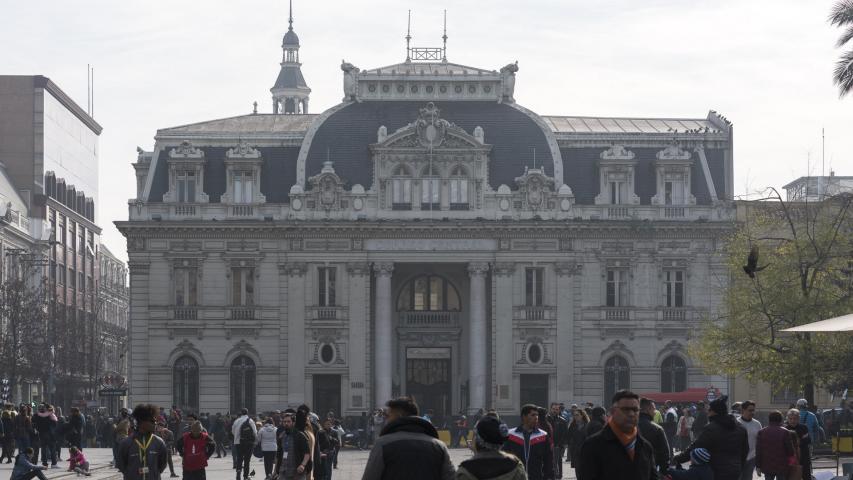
290	92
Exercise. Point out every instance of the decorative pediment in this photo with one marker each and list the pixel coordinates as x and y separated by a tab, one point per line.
617	152
430	131
327	186
243	151
673	152
186	151
535	188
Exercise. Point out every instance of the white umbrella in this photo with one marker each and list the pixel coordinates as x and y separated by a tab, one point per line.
843	323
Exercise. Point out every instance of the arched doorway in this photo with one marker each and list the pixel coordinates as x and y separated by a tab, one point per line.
242	384
673	374
185	384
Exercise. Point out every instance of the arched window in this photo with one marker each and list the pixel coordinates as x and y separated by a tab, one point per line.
242	384
185	384
430	189
428	293
458	189
401	189
673	374
617	376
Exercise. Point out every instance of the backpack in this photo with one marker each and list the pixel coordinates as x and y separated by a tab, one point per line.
247	436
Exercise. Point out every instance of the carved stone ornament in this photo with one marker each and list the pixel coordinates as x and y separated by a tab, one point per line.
478	268
243	150
673	152
567	268
536	187
503	269
293	269
186	150
357	269
617	152
383	268
430	127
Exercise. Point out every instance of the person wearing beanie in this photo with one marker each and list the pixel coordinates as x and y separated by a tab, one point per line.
726	441
489	462
699	467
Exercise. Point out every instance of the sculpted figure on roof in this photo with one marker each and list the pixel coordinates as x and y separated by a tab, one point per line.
508	81
350	80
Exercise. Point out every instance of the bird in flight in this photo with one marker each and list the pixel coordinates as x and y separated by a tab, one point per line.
751	267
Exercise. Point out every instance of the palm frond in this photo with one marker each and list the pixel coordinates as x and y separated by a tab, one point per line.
845	37
842	13
843	74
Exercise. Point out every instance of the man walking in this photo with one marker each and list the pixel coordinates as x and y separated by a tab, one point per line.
143	455
408	447
561	436
618	451
531	445
245	437
701	419
773	447
726	441
752	426
654	433
489	462
195	447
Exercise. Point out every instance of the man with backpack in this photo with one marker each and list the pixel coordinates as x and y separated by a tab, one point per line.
245	437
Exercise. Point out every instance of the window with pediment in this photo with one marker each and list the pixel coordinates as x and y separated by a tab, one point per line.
616	173
672	166
186	175
430	189
401	188
243	167
459	183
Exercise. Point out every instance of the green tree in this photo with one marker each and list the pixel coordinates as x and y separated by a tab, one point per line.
842	17
807	252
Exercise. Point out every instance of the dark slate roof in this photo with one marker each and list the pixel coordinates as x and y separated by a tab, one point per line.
580	167
347	133
290	76
290	39
278	173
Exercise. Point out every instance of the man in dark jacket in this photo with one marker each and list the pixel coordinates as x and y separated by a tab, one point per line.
143	455
725	439
560	427
773	448
45	422
700	420
408	447
596	421
618	451
654	434
531	445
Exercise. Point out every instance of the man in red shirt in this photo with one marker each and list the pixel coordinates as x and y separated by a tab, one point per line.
195	447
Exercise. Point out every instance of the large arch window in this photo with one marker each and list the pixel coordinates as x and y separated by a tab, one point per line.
185	384
242	384
458	189
673	374
401	189
430	189
428	293
617	376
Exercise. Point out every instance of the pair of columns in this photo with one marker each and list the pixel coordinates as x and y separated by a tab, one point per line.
476	336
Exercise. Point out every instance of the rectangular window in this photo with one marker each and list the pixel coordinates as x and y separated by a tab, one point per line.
615	193
667	192
431	192
458	191
72	277
617	288
81	239
62	233
327	286
673	192
401	191
186	187
186	286
243	286
674	288
534	286
243	187
81	281
60	271
52	271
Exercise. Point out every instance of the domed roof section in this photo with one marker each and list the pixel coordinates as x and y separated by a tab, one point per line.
345	136
290	39
290	77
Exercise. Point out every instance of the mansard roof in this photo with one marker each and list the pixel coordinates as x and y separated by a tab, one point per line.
345	136
290	76
566	124
253	123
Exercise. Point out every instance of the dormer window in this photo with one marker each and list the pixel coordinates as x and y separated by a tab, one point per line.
616	173
401	189
673	177
617	190
243	164
186	175
243	183
458	189
430	189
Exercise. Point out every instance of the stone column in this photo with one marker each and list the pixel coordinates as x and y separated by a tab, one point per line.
383	333
503	349
477	337
296	332
138	324
566	272
359	331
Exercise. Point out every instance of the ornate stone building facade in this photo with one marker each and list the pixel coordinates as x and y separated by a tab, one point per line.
428	235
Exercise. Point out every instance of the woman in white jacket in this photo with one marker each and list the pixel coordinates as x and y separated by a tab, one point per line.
267	439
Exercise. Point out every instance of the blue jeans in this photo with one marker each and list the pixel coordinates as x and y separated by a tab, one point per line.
23	443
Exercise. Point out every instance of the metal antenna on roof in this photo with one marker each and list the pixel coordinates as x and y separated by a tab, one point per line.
444	37
534	157
409	38
290	18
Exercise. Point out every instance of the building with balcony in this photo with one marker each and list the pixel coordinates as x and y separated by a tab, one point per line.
430	236
112	307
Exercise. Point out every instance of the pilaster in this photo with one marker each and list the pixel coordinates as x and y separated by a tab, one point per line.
503	273
477	272
295	272
567	275
383	332
359	309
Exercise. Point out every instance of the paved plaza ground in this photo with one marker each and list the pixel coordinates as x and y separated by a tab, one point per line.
350	466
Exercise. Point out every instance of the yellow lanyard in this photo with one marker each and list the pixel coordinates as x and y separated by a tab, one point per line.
143	449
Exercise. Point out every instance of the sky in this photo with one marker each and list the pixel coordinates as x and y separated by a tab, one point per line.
764	64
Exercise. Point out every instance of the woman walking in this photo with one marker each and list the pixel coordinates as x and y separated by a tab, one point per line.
801	432
269	446
23	428
577	435
685	429
8	439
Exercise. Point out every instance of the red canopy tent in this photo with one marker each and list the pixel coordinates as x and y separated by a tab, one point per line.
691	395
